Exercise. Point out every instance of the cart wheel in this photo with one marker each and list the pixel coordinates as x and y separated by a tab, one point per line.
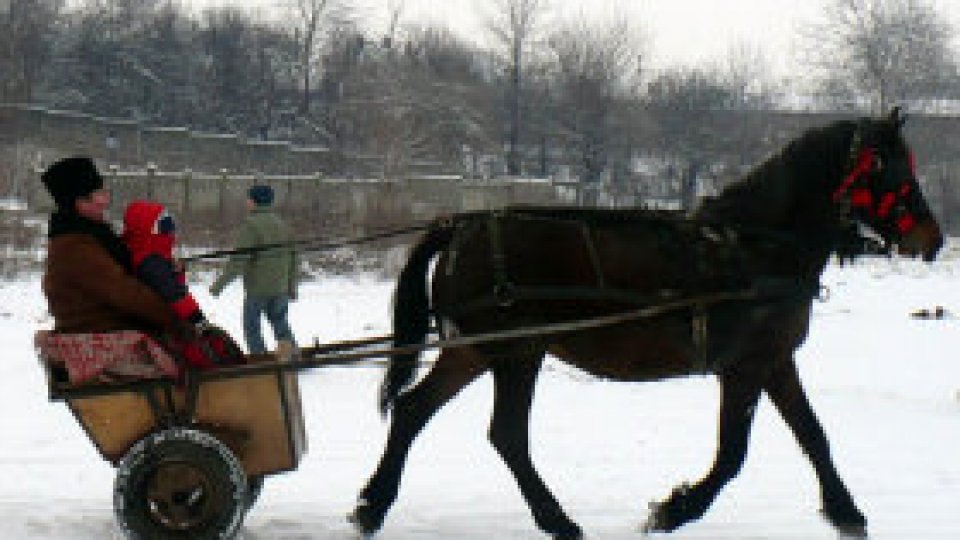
180	484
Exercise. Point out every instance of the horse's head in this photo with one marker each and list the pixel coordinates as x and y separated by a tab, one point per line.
881	191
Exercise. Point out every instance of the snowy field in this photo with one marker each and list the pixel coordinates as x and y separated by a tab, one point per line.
886	387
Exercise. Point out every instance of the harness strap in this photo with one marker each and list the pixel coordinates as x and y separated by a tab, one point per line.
547	293
503	289
863	166
527	332
699	333
587	232
764	288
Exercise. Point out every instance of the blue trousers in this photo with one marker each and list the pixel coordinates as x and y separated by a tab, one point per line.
275	309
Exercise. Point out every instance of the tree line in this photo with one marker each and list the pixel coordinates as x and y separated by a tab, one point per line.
539	90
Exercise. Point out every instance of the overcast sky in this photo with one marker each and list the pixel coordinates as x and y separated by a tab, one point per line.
680	31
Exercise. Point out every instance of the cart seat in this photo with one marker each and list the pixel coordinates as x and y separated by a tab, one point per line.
76	359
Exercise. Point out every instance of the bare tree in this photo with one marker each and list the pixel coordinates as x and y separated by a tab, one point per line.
682	103
515	26
26	36
880	51
597	67
414	104
746	73
312	19
394	13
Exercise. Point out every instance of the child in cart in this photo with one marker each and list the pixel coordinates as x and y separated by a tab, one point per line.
148	232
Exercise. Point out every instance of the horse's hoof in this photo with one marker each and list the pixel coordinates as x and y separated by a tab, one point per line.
852	532
658	521
670	514
365	519
571	533
850	523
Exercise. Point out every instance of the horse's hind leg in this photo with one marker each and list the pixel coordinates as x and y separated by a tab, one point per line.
686	503
453	370
514	380
786	393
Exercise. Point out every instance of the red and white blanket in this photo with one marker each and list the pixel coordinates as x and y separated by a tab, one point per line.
120	356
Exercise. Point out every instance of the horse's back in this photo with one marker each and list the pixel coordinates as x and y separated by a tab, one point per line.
642	253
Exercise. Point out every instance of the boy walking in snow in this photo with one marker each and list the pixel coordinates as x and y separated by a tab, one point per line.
269	271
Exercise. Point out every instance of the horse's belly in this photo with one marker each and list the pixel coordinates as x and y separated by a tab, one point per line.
635	353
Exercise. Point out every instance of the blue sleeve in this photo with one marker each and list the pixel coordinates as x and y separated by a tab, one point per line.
159	274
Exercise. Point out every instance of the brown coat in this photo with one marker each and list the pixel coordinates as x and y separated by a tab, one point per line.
87	291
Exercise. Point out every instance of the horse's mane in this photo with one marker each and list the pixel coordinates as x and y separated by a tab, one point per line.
765	194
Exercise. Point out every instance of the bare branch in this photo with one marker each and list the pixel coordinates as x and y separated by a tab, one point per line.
880	51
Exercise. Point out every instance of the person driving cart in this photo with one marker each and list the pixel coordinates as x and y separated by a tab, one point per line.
102	315
108	326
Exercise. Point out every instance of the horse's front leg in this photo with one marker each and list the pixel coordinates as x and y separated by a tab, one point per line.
514	380
687	503
453	370
786	393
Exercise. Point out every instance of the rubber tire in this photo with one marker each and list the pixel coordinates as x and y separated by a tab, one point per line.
254	488
163	469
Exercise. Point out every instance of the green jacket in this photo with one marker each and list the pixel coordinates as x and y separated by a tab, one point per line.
271	272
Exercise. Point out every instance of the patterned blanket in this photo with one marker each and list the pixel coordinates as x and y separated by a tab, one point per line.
121	356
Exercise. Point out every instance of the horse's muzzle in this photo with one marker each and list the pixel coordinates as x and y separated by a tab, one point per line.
924	240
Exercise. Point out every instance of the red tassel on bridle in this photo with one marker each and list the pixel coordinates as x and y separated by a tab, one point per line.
863	167
862	197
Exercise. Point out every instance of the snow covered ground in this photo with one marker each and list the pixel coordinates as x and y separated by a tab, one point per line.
886	387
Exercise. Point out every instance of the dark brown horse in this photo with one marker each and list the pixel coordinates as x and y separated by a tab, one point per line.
737	283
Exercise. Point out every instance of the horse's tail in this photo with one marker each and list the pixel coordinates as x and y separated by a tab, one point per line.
411	311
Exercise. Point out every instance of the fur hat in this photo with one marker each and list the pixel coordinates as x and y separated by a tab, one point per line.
261	195
69	179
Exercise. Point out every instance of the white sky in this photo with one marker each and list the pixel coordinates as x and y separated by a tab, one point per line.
680	31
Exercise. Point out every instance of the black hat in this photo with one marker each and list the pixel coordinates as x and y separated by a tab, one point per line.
261	194
69	179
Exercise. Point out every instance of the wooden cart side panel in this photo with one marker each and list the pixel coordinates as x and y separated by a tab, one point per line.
294	409
250	415
114	422
259	417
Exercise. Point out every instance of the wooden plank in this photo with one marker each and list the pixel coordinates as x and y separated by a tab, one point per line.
114	422
259	417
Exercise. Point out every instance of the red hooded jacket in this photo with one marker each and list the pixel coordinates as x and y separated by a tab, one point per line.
151	254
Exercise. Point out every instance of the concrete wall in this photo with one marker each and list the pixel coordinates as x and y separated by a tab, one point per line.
315	200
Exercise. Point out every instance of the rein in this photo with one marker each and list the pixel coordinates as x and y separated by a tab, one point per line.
310	244
323	357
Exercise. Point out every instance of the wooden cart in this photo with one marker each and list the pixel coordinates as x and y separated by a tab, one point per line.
191	458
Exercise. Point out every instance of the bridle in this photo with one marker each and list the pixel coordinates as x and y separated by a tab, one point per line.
857	190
